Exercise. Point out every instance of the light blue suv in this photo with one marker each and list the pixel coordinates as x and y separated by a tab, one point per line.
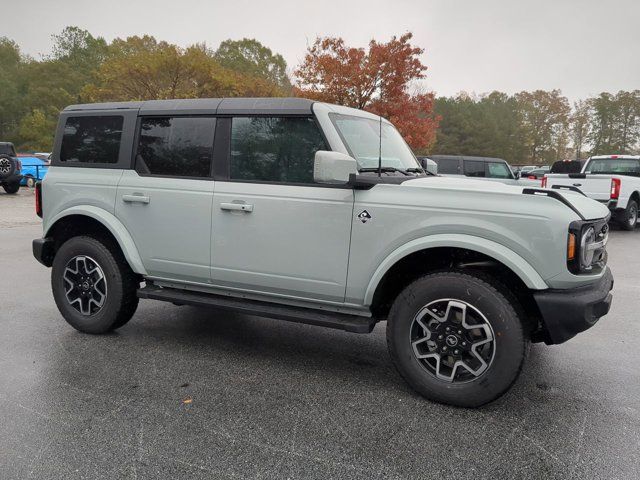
320	214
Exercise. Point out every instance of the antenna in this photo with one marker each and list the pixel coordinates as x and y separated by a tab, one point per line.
380	150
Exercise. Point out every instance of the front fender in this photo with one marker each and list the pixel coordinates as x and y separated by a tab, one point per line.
498	252
114	225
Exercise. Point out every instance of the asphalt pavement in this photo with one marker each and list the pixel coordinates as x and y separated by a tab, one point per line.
182	392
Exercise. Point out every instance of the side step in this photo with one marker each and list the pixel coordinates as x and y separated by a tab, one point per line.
341	321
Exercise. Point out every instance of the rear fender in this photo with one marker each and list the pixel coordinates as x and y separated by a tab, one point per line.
115	226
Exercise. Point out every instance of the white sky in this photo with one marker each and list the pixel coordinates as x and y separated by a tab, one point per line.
582	47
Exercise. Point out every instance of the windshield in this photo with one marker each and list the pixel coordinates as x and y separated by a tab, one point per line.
621	166
361	136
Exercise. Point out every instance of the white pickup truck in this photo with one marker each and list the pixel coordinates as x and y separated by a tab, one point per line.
610	179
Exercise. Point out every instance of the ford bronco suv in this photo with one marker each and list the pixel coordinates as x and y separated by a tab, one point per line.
10	168
320	214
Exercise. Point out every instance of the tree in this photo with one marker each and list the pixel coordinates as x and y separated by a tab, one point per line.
615	122
142	68
35	131
376	80
545	117
249	57
579	126
10	107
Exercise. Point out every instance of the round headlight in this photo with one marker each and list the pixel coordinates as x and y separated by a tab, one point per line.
586	255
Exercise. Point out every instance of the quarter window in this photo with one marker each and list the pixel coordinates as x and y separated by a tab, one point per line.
91	139
274	149
175	146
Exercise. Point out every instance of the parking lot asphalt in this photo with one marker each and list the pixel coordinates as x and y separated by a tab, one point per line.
182	392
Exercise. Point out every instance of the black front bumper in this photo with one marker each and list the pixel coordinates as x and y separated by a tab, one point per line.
43	250
565	313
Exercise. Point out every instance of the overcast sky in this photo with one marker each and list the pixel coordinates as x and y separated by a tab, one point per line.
582	47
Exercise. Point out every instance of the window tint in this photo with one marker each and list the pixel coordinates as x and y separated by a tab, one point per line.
276	149
91	139
448	166
176	146
498	170
7	149
473	168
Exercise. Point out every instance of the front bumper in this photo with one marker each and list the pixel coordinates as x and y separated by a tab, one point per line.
43	250
565	313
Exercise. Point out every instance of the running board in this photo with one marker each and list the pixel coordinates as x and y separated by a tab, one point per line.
341	321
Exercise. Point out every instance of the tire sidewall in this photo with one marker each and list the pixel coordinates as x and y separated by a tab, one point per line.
510	344
104	319
628	215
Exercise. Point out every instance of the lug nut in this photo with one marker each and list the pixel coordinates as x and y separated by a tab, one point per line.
464	344
459	332
456	352
444	349
440	337
447	329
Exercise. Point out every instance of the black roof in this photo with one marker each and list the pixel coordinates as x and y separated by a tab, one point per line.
224	106
465	157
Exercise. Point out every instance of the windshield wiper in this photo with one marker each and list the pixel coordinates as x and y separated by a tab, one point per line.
383	169
418	170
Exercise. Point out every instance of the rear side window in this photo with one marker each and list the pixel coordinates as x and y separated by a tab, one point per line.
175	146
473	168
92	139
274	149
446	165
498	170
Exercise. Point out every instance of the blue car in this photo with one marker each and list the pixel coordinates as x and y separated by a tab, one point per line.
33	169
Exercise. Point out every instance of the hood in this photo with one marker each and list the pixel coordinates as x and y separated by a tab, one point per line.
587	208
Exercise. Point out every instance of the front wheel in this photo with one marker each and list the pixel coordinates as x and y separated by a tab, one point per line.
93	285
630	216
456	338
12	187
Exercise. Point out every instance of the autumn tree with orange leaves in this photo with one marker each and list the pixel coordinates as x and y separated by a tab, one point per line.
377	80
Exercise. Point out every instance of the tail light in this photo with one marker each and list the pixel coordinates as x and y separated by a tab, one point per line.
39	199
544	181
615	188
19	165
531	177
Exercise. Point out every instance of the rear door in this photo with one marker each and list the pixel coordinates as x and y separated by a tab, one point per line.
274	230
165	202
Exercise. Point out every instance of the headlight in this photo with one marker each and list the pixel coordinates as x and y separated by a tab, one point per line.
591	248
586	250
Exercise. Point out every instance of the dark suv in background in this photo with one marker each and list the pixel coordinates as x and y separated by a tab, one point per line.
10	168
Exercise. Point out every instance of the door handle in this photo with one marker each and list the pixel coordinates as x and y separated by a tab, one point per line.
237	207
136	198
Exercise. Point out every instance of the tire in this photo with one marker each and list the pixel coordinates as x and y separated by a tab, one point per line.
76	261
488	304
629	217
7	166
12	188
31	182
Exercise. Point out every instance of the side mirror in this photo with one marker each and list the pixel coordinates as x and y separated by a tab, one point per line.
333	167
517	175
430	166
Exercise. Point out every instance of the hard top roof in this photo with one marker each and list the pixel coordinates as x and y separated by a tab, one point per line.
220	106
465	157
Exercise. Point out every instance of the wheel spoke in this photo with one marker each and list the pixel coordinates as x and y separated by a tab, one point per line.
85	285
456	344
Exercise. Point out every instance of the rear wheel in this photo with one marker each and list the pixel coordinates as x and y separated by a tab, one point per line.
93	285
629	217
457	338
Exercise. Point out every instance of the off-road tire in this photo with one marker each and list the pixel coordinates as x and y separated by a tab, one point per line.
629	216
121	299
7	166
502	311
11	188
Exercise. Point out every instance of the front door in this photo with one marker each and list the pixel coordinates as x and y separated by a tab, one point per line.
274	230
165	203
